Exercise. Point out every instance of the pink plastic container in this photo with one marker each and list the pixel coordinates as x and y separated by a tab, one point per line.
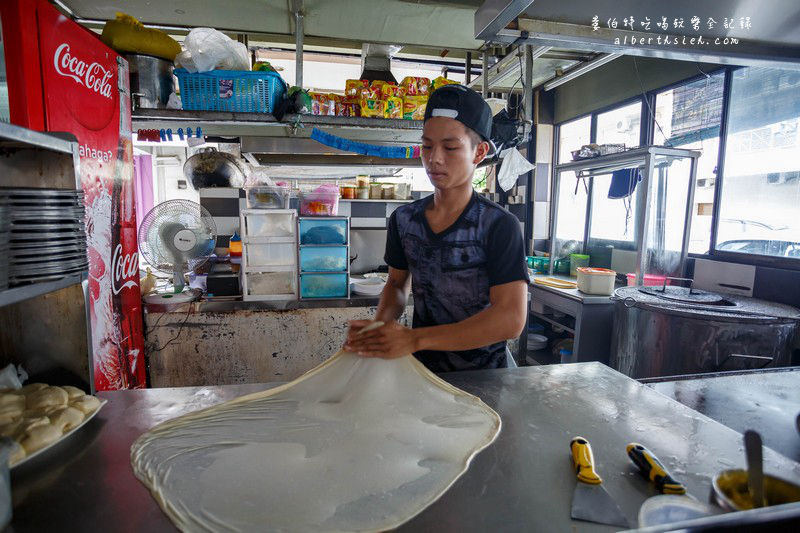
321	201
650	280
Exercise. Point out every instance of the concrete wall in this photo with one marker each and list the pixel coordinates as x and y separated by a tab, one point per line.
256	346
617	81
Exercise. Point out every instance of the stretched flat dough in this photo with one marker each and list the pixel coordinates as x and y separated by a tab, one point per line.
353	445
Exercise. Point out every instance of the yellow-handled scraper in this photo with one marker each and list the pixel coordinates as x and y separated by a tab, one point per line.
590	501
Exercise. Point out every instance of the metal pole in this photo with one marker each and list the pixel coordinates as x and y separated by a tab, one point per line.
687	224
643	214
297	7
485	73
468	69
527	91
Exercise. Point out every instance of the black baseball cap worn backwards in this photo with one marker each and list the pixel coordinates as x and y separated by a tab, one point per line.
464	105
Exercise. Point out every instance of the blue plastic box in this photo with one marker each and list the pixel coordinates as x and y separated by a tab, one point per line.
319	231
323	285
323	258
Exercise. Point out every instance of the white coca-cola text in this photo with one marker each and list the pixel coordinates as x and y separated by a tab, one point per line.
93	76
123	267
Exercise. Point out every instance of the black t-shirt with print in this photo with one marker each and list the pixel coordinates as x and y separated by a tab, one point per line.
452	271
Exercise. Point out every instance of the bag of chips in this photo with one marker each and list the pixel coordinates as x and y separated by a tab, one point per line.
415	86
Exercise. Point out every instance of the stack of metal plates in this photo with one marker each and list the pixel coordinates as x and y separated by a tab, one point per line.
5	224
47	236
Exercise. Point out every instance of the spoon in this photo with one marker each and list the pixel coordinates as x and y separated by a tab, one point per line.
755	466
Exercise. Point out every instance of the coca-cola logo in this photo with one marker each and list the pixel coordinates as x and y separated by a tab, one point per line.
123	267
93	75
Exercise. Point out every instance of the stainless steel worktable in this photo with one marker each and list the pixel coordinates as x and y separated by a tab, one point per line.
766	400
524	481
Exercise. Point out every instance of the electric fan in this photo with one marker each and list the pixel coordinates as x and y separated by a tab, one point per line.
177	237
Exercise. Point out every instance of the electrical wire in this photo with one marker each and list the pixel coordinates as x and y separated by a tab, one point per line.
180	329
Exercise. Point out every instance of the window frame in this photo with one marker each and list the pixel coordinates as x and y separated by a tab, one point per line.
646	136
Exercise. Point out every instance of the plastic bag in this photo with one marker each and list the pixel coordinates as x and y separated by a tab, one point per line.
126	34
208	49
174	102
12	377
513	165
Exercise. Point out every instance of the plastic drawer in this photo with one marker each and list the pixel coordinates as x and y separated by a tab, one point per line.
268	283
269	224
323	259
270	254
316	231
323	285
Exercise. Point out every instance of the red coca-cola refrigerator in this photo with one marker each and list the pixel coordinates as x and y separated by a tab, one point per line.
62	78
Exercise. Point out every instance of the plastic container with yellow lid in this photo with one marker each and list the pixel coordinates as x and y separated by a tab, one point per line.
599	281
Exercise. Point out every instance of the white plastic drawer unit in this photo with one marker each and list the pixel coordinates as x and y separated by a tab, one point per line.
271	283
270	254
269	223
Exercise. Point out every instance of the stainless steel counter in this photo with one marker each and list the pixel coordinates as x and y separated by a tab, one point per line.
522	482
765	400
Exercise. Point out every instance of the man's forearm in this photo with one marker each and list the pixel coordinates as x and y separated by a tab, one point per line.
392	303
489	326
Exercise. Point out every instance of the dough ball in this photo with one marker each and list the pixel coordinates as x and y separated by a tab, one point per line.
29	423
73	392
39	437
87	404
11	429
17	454
47	397
66	418
9	413
9	398
32	387
42	411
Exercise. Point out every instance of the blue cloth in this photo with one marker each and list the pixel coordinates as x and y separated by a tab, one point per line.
623	182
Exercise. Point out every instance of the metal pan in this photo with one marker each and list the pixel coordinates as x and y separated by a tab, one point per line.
52	449
35	247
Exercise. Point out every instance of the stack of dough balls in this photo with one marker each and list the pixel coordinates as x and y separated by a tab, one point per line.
37	415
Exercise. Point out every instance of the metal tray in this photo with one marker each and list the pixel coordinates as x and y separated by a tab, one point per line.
48	268
46	236
52	448
12	192
49	258
71	213
22	253
77	240
48	277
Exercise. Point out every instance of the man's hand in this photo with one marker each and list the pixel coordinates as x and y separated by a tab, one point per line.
387	342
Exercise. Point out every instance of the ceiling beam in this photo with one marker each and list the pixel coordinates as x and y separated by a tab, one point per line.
580	70
495	15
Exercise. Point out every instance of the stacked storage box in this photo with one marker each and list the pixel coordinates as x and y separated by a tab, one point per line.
324	257
269	259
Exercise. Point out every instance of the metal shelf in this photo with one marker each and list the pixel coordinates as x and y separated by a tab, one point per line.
266	125
16	136
605	164
553	322
18	294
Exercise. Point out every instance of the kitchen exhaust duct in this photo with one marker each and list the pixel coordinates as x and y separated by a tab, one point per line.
376	61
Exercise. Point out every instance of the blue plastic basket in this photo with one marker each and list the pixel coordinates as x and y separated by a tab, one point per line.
230	90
